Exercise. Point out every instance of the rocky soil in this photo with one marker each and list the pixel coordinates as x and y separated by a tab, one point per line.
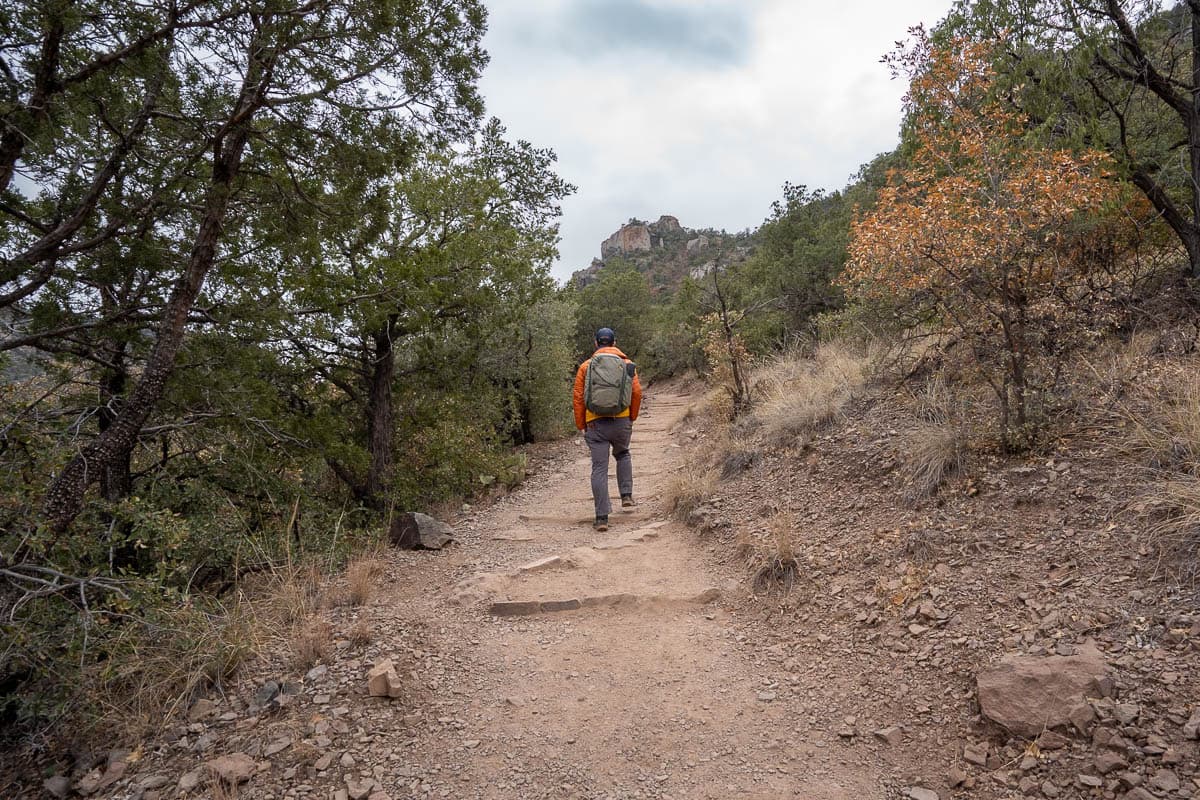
1011	638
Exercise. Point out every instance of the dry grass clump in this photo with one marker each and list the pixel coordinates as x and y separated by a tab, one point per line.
772	562
361	634
934	454
935	448
311	642
1162	429
1172	512
293	591
689	489
167	662
1160	426
361	577
802	394
1166	433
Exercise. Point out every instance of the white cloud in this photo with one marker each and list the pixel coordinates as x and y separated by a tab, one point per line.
697	109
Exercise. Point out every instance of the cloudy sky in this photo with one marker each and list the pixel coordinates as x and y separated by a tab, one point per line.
696	108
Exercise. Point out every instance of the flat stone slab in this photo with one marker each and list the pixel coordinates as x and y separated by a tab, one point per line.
615	544
549	562
550	606
515	608
519	608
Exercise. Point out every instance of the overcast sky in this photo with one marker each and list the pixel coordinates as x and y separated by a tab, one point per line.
696	108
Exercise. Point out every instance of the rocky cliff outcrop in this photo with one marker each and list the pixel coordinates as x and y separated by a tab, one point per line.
665	251
631	238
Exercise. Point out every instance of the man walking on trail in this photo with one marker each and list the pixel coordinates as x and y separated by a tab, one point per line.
608	395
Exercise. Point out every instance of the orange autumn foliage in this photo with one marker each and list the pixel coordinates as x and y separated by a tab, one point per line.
979	213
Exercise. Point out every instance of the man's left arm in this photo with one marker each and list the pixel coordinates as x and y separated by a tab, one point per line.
635	403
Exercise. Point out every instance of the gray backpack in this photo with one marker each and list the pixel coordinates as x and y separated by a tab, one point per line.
609	387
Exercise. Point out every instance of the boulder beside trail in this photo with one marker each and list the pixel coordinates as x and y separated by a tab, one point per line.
1028	694
413	530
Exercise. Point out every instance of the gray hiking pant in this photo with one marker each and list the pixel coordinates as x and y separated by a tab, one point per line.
601	435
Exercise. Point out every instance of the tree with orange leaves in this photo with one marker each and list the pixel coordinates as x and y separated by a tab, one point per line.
983	225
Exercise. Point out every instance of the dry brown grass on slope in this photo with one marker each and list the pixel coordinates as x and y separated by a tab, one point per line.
1160	427
773	563
690	488
799	394
166	664
935	448
362	576
311	642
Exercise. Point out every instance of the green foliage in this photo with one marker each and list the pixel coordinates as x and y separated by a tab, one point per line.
620	299
372	327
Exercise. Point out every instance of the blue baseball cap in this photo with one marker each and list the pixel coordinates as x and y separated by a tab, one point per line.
605	336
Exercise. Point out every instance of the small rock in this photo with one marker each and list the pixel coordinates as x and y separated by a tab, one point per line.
316	673
1108	761
57	786
1191	728
347	761
766	697
956	777
415	531
323	763
382	680
1165	781
190	780
1052	740
201	709
1126	713
277	746
1138	793
152	782
1050	789
892	735
1130	779
266	693
232	769
359	789
921	793
976	753
1089	780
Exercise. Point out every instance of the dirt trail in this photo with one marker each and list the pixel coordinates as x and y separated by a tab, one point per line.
637	687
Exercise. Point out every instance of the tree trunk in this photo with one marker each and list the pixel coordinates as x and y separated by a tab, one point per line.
64	498
380	426
1192	241
116	481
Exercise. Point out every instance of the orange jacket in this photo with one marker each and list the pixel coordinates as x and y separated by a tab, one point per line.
582	415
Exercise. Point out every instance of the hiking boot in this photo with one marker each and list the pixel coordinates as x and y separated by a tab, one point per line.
601	523
627	501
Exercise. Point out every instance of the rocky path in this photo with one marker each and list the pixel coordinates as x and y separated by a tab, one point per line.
592	665
537	659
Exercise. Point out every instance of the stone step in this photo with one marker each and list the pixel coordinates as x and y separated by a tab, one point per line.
524	608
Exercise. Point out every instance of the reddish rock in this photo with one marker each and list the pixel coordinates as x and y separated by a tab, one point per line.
232	769
1028	694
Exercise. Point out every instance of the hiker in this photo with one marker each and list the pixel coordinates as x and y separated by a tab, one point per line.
608	395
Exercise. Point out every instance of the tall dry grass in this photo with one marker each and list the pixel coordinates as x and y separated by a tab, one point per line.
1159	425
689	489
772	561
935	447
800	395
